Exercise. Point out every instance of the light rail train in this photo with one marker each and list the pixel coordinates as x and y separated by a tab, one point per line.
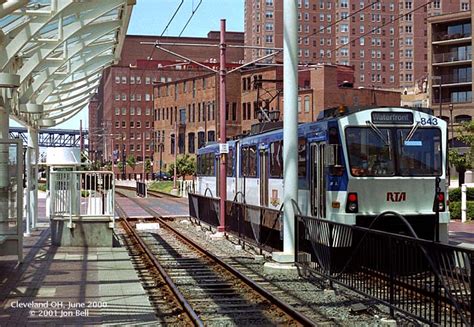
353	164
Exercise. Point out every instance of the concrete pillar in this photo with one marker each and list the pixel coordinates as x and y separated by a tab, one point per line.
290	130
34	138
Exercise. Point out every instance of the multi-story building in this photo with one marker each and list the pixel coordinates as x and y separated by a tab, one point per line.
450	67
385	41
189	107
123	125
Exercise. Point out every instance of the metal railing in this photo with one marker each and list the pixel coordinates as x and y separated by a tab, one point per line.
445	36
259	226
451	57
430	281
75	194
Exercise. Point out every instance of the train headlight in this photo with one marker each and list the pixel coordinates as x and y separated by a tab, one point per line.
352	204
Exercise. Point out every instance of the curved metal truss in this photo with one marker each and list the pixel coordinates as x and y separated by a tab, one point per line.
58	48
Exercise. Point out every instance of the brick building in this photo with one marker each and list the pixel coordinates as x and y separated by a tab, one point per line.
122	117
190	107
357	33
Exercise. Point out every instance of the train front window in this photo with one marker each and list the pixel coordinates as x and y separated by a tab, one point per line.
370	151
419	154
394	151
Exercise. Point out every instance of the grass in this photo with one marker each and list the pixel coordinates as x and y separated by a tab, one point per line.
161	186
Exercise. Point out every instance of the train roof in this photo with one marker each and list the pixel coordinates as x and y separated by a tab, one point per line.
318	127
342	111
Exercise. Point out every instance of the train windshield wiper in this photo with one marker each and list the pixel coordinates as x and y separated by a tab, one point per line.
379	133
412	132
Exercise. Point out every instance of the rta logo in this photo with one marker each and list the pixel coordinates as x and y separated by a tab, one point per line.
396	196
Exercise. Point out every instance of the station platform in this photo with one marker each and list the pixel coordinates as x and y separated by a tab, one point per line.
70	285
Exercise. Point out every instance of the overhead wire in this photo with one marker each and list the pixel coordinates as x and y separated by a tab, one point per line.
190	17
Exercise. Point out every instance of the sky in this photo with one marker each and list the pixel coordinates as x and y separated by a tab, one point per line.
150	17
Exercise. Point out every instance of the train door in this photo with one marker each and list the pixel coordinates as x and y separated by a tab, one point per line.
317	181
263	177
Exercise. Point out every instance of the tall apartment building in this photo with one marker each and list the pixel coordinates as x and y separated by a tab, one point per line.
450	39
121	116
385	41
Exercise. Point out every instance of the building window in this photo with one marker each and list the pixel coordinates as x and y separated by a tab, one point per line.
124	79
117	96
299	104
307	103
117	111
117	79
132	79
147	111
191	142
132	111
147	80
139	111
124	111
124	97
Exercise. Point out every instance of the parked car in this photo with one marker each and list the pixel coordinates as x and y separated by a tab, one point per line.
162	176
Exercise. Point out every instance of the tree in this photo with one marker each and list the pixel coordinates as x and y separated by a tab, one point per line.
185	165
120	166
131	161
463	162
147	165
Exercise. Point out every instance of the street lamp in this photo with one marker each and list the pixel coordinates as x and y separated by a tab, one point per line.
451	123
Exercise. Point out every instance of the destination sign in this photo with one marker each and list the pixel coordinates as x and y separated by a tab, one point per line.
392	118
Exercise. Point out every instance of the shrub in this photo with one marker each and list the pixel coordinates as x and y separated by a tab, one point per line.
455	194
455	209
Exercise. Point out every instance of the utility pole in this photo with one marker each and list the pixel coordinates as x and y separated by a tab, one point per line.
222	132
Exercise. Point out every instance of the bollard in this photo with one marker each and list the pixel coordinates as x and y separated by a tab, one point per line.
463	203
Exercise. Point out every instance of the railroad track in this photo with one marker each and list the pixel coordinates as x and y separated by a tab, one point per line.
210	291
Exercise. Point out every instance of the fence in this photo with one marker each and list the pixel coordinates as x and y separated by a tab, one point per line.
76	194
429	281
257	225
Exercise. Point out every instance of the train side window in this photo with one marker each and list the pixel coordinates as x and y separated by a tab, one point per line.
276	159
212	164
199	165
301	157
244	161
252	156
249	161
230	163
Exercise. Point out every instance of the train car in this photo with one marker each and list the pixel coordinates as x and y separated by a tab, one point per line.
353	164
